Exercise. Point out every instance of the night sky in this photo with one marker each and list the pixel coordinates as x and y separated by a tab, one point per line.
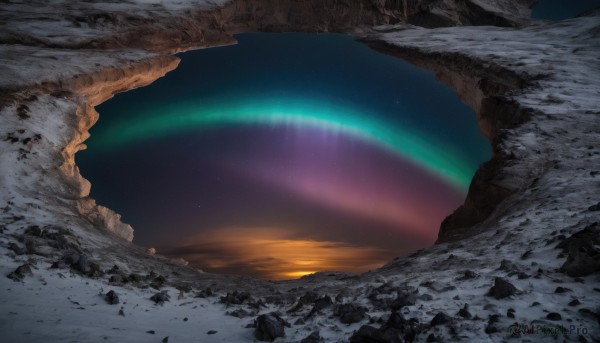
284	155
562	9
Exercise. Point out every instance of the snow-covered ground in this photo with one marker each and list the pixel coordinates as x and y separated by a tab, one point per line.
46	219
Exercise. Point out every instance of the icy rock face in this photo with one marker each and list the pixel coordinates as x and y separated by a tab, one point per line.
537	105
535	90
69	57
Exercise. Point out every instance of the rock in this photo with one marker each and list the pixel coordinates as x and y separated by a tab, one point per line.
562	290
594	207
404	299
583	255
554	316
368	334
350	313
574	302
152	332
269	326
468	274
160	297
235	298
440	319
307	298
502	289
211	332
205	293
314	337
165	340
21	272
398	326
239	313
111	297
17	249
463	312
320	304
151	251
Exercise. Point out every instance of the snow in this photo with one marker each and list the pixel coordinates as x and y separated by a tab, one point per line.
555	175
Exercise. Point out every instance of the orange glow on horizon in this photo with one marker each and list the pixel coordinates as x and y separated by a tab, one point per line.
271	254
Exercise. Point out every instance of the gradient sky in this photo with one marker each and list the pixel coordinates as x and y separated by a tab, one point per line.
284	155
562	9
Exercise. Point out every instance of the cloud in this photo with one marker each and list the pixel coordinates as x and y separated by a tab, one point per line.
270	253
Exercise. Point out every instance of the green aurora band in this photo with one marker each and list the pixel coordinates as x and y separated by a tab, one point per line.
433	155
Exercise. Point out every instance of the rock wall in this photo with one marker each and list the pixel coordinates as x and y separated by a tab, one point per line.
83	53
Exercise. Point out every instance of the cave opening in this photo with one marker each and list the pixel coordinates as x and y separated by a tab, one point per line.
284	155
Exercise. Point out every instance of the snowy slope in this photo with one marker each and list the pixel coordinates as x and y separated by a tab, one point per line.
46	219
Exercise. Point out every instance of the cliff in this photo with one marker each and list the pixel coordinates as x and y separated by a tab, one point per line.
535	89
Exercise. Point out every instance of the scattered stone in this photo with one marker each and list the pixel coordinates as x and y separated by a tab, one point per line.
320	304
440	319
562	290
239	313
502	289
526	255
21	272
583	255
111	297
535	303
151	251
165	340
17	249
121	312
307	298
397	329
594	207
554	316
574	302
211	332
185	319
350	313
404	299
425	297
152	332
367	334
490	329
269	327
464	312
314	337
160	297
299	321
432	338
205	293
235	298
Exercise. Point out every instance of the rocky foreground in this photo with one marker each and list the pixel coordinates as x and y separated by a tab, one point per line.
519	260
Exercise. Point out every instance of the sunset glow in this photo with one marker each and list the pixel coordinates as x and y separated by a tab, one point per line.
271	253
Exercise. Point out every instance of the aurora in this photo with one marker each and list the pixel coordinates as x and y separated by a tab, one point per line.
284	155
424	150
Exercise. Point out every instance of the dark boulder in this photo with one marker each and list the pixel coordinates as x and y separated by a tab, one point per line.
269	326
307	298
404	299
111	297
21	272
583	255
350	313
320	304
235	298
502	289
440	319
314	337
160	297
396	330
